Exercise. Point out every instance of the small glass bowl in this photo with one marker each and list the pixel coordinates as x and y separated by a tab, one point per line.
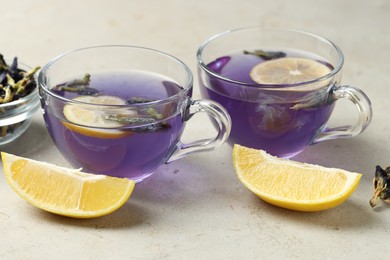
15	116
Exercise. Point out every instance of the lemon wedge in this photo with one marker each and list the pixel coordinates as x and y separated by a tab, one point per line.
290	184
64	191
288	71
94	122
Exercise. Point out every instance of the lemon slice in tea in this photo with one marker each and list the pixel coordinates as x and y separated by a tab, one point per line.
64	191
83	114
288	71
290	184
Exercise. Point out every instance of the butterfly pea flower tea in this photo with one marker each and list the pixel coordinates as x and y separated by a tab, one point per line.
279	86
123	115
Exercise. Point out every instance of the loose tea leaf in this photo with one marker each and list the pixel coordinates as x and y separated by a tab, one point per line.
9	95
128	120
138	100
15	82
381	183
154	113
148	116
79	86
3	64
3	76
150	111
267	55
14	65
79	82
162	126
151	124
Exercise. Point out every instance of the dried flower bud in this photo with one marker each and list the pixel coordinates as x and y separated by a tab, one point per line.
381	184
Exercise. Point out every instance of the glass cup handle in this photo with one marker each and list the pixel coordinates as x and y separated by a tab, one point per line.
223	123
363	105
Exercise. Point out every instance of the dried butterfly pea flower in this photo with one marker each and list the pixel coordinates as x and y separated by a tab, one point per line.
79	86
138	100
161	126
150	111
130	120
267	55
147	116
381	184
15	82
3	64
79	82
151	123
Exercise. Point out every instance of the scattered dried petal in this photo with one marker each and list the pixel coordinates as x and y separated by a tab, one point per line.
381	184
267	55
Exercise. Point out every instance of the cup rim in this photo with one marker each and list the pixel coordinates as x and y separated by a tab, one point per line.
185	88
204	66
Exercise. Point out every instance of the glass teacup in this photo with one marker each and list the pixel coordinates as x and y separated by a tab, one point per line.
279	87
121	110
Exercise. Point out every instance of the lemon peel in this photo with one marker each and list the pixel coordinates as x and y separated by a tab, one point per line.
290	184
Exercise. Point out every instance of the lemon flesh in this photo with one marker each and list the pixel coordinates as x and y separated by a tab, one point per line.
88	120
288	71
290	184
64	191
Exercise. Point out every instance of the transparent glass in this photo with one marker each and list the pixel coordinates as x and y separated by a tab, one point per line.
15	116
136	148
279	118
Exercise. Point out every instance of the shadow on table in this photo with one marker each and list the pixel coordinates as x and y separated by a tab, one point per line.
35	143
349	215
129	215
353	154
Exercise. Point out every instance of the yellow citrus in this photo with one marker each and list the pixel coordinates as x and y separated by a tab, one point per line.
88	120
288	71
290	184
64	191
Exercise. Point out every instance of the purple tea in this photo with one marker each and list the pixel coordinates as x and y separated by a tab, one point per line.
140	148
280	121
